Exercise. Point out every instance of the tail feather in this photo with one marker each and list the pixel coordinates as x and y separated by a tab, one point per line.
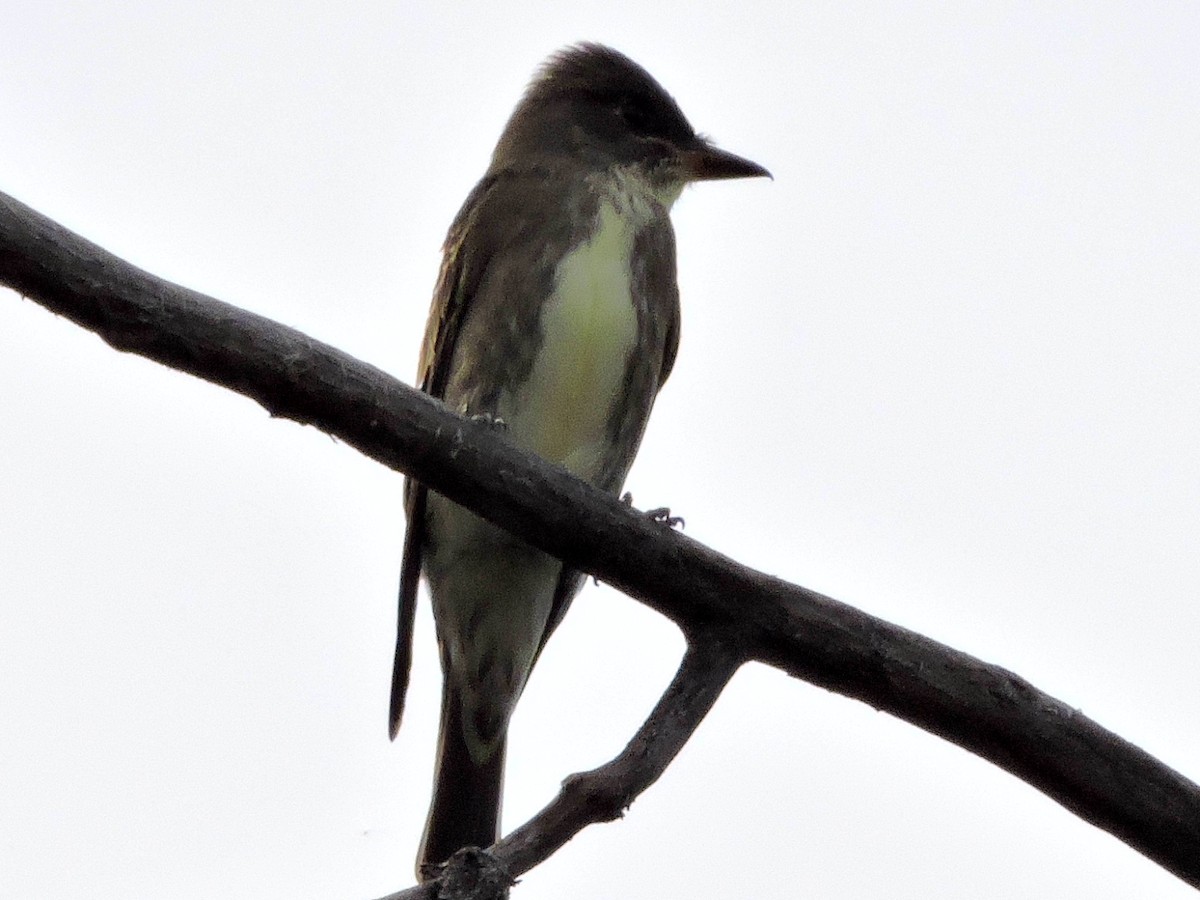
465	811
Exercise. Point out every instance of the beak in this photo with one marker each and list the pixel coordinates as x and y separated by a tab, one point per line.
707	163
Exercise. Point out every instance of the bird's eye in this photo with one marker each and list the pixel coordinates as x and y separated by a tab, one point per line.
635	117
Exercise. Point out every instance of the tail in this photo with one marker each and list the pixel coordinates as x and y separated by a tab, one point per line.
465	811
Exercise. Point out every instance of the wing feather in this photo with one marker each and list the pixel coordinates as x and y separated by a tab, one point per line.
451	297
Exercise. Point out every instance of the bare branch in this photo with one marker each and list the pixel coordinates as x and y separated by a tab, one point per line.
604	793
983	708
470	874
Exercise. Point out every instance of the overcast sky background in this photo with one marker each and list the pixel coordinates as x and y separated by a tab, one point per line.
943	368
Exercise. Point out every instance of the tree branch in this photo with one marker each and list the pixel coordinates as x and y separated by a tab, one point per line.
604	793
985	709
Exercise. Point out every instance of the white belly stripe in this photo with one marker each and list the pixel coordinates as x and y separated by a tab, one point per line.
589	328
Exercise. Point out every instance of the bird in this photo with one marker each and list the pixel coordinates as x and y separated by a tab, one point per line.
555	317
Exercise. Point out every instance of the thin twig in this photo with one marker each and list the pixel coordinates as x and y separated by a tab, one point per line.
604	793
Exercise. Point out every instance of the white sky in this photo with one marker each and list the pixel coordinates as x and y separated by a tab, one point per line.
944	367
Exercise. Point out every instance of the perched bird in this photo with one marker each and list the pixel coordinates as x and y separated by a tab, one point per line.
556	313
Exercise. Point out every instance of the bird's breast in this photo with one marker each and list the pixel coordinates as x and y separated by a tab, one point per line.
589	330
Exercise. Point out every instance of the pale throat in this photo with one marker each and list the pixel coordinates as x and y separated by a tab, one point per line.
589	331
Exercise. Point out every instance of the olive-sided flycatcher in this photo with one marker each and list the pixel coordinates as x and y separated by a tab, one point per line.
556	313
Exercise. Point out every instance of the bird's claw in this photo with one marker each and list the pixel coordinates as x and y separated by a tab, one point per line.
492	421
663	516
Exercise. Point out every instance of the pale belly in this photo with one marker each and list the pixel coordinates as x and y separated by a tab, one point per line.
492	594
589	331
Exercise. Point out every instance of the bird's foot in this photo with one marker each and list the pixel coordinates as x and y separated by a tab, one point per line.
661	514
491	421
